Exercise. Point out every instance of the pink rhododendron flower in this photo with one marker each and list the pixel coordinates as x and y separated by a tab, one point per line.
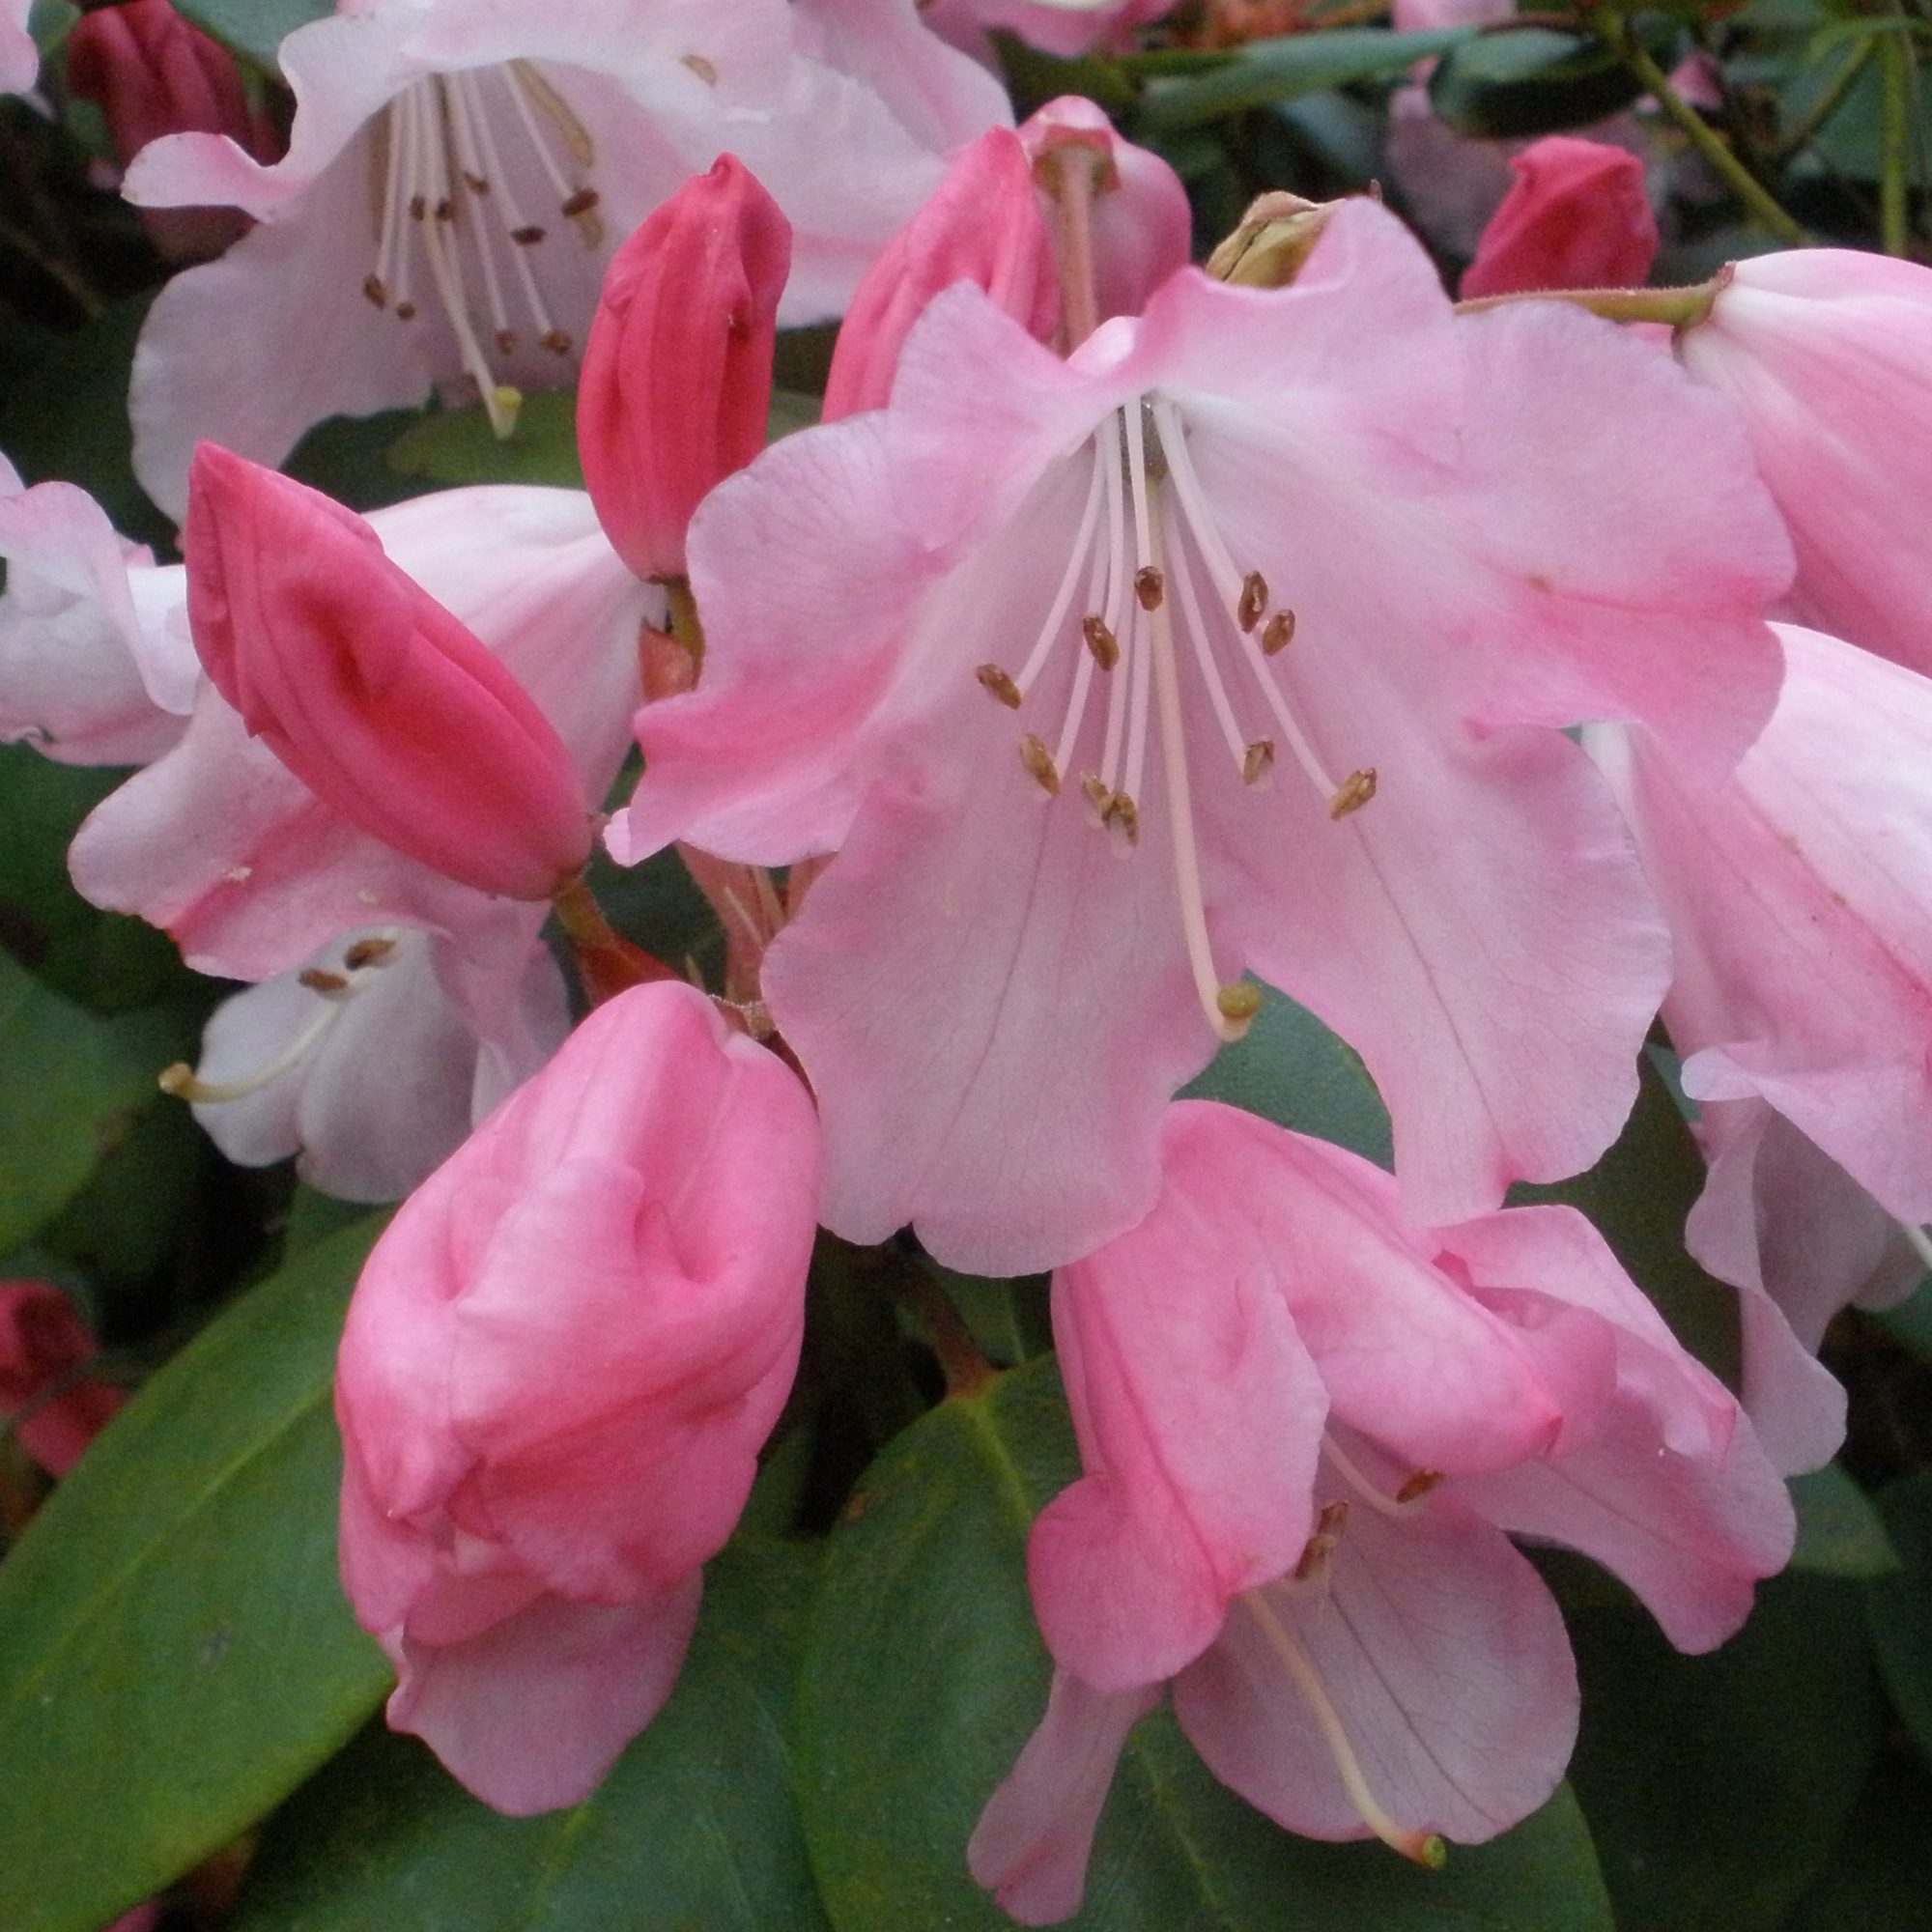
49	1405
1018	650
307	1063
1577	217
677	373
1800	898
1068	28
19	57
96	665
1826	353
151	72
252	872
505	149
559	1365
372	693
1306	1429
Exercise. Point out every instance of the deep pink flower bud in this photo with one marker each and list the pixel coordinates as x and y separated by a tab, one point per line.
556	1373
150	74
982	224
1577	216
678	372
385	704
43	1342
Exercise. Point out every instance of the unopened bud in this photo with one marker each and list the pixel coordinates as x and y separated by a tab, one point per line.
677	370
1272	241
380	701
982	224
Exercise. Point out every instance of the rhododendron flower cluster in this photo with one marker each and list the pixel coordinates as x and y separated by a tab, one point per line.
1179	793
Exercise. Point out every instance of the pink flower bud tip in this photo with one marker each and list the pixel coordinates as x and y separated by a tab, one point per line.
1576	216
677	370
383	703
55	1411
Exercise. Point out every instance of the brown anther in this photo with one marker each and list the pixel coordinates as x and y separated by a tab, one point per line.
1101	642
1257	761
406	311
445	210
506	342
367	953
475	184
1315	1553
419	207
701	68
373	287
526	237
1254	600
556	340
320	980
1278	633
581	203
1039	760
992	678
1239	1000
1418	1485
1123	816
1332	1516
1354	791
1149	586
1095	786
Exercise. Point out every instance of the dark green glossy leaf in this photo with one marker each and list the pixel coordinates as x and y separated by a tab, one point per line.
1639	1195
102	959
1716	1786
1281	69
1909	1324
922	1675
1290	1069
1532	80
1840	1531
254	27
1875	1879
50	21
1899	1608
70	1085
175	1651
692	1831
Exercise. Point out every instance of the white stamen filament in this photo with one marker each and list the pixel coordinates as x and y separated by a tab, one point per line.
521	81
476	178
1423	1847
1049	632
515	222
1117	607
1372	1493
361	962
1083	674
1181	579
1230	583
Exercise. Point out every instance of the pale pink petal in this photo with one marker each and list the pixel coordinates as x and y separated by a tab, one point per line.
962	988
1800	1239
19	57
1690	1534
1199	1415
1444	1658
91	671
1030	1846
1799	899
530	1713
287	282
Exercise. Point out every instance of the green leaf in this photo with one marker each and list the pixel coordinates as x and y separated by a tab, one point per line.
50	21
1534	81
1290	1069
1909	1324
692	1831
70	1085
1716	1786
1639	1195
1899	1610
1875	1880
175	1651
459	445
922	1676
1840	1532
1264	72
255	28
